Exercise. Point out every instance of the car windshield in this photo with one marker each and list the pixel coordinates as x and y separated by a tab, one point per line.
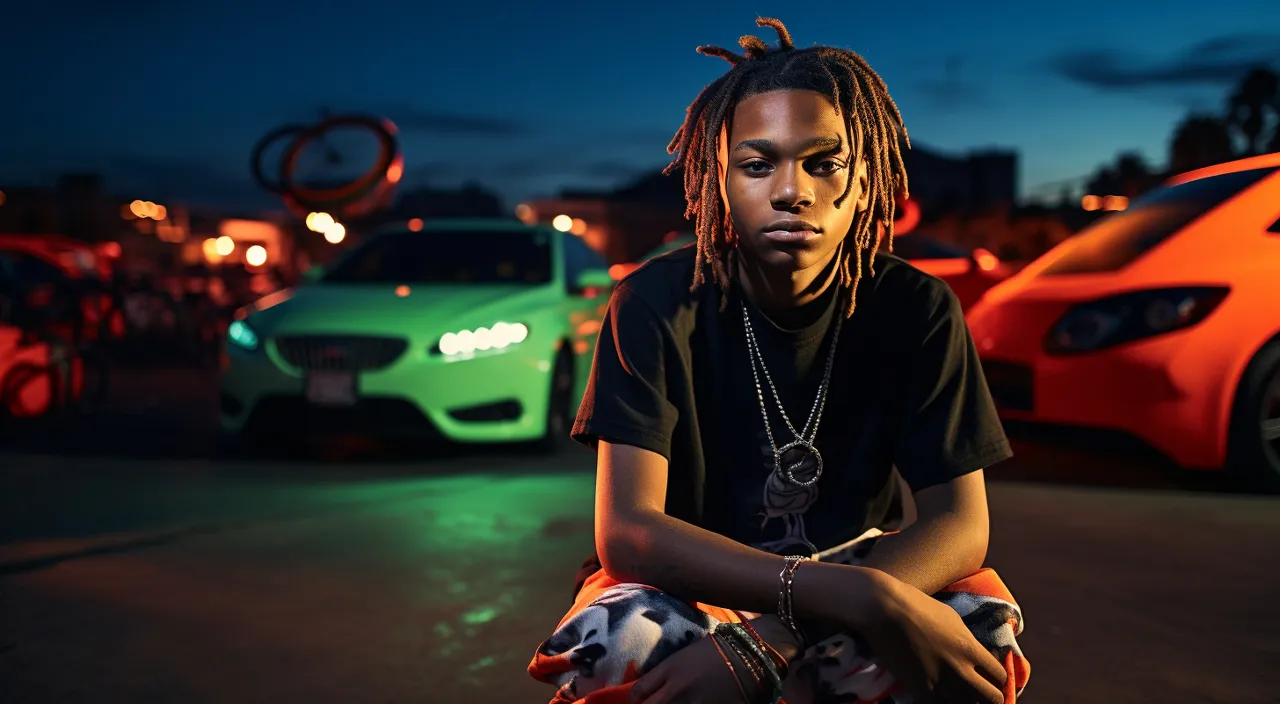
1118	240
472	257
916	246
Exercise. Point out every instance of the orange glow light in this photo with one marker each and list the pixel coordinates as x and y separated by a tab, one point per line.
402	291
395	171
526	214
1091	202
986	260
1115	203
578	226
415	225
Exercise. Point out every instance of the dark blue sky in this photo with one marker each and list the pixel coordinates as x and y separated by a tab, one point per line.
168	97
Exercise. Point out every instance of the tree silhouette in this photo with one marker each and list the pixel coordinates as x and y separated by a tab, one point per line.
1129	176
1199	141
1253	111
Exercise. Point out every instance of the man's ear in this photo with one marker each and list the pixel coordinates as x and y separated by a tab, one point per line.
863	184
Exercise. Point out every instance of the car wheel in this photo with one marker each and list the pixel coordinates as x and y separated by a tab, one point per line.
560	409
1254	449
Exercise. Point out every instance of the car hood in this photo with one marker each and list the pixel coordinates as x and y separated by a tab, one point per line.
392	310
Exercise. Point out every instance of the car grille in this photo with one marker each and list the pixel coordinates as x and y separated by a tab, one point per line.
341	352
1012	385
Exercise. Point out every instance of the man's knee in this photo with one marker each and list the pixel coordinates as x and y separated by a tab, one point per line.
625	632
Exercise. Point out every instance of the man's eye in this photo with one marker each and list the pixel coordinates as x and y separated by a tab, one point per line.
755	167
828	166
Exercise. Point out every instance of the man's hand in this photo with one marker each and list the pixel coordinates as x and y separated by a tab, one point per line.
926	646
694	675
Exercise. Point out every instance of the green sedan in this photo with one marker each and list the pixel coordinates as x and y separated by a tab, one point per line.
474	331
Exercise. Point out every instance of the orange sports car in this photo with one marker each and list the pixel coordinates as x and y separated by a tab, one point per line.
1161	321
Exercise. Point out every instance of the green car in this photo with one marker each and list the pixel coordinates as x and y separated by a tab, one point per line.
473	331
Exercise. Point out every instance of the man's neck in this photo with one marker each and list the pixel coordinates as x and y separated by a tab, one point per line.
779	294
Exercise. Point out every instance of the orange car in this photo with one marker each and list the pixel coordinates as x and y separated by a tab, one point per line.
1161	322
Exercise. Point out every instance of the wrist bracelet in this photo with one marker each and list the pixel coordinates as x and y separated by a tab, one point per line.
732	670
780	662
756	658
785	603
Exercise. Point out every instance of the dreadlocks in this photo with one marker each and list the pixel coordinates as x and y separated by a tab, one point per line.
872	125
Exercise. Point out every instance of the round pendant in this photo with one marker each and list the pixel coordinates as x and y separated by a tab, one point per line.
802	459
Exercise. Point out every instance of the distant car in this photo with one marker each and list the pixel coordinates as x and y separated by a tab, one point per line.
469	330
1161	322
968	273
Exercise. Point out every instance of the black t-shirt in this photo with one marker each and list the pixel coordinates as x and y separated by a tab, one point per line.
672	374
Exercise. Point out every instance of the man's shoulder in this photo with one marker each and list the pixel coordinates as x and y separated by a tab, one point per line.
664	282
900	289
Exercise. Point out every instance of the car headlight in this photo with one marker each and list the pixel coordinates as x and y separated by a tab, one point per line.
468	342
241	335
1131	316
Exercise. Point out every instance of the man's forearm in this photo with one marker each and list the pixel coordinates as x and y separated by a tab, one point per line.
931	553
699	565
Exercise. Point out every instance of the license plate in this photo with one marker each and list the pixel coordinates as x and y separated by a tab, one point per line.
331	388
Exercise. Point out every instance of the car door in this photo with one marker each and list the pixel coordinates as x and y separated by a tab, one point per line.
584	309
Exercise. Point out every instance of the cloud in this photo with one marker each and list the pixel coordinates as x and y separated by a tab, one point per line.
412	119
1215	62
951	91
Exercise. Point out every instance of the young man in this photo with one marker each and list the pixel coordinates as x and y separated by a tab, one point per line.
760	415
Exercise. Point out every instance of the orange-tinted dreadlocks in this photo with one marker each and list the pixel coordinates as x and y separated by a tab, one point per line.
872	124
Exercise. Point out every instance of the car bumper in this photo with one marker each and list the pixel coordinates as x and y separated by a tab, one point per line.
500	397
1140	389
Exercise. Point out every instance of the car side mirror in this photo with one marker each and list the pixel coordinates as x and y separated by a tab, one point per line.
592	281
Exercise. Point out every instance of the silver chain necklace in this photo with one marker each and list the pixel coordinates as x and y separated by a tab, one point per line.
805	439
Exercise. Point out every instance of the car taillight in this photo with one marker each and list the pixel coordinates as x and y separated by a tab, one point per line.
1131	316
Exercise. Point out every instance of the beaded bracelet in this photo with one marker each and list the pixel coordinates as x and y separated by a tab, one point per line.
757	659
732	670
779	662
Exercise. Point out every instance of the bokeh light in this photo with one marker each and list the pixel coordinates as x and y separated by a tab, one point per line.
335	233
225	246
256	255
578	226
562	223
415	225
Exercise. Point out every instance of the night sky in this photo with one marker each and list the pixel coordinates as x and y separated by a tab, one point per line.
167	97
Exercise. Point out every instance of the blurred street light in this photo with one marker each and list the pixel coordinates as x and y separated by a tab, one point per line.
525	213
145	209
578	227
256	255
225	246
1091	202
335	233
210	248
1115	203
319	222
415	225
562	223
